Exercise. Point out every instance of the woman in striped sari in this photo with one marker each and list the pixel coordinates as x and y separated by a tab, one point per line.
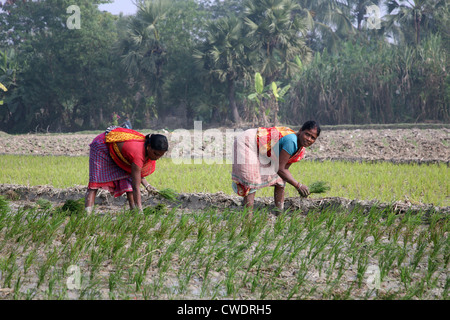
119	161
262	157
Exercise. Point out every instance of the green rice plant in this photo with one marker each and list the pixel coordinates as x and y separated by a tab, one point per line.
402	254
29	260
446	288
9	268
387	259
169	194
432	267
73	206
159	255
319	187
44	204
17	294
418	254
362	265
405	276
138	279
4	204
38	170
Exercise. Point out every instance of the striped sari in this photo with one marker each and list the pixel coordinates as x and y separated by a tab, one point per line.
108	169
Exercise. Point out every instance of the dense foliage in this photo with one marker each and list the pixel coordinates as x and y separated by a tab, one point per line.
70	68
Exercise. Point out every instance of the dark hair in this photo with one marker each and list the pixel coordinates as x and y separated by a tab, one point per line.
311	124
157	142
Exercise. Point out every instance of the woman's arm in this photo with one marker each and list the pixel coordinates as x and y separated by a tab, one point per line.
150	189
136	183
286	175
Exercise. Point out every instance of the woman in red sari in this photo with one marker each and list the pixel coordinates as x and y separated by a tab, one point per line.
262	157
119	161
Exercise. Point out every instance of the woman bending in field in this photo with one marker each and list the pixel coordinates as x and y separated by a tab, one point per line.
119	161
262	157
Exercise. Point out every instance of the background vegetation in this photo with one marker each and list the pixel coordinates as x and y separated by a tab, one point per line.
177	61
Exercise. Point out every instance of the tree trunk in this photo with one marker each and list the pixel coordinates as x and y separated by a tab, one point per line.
417	20
275	114
232	101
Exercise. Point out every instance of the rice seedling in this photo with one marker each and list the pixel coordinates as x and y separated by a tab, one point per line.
169	194
44	204
215	254
319	187
73	206
4	204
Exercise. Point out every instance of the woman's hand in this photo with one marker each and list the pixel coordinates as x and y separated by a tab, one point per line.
151	190
303	190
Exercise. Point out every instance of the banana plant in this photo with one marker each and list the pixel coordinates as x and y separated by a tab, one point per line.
278	95
258	96
4	89
267	98
259	93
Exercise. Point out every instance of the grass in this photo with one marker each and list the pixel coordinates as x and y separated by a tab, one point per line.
385	182
50	253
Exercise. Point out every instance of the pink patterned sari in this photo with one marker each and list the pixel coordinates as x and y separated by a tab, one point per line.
254	165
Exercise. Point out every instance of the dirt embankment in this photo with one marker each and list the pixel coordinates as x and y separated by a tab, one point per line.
23	196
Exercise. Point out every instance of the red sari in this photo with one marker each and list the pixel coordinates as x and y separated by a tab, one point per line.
110	168
130	151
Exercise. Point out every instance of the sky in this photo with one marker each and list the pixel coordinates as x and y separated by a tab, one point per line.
117	6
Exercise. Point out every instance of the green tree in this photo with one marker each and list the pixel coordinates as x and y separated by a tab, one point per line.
330	23
143	50
443	26
277	31
224	55
65	74
184	90
267	95
358	10
222	8
415	15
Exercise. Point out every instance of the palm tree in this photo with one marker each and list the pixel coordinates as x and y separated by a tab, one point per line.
224	55
417	13
142	50
335	20
331	22
278	34
358	9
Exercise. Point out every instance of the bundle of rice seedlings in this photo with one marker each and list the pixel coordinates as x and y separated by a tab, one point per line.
159	208
168	194
73	206
319	187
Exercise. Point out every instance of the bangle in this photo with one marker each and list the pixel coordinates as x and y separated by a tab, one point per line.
147	186
298	187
